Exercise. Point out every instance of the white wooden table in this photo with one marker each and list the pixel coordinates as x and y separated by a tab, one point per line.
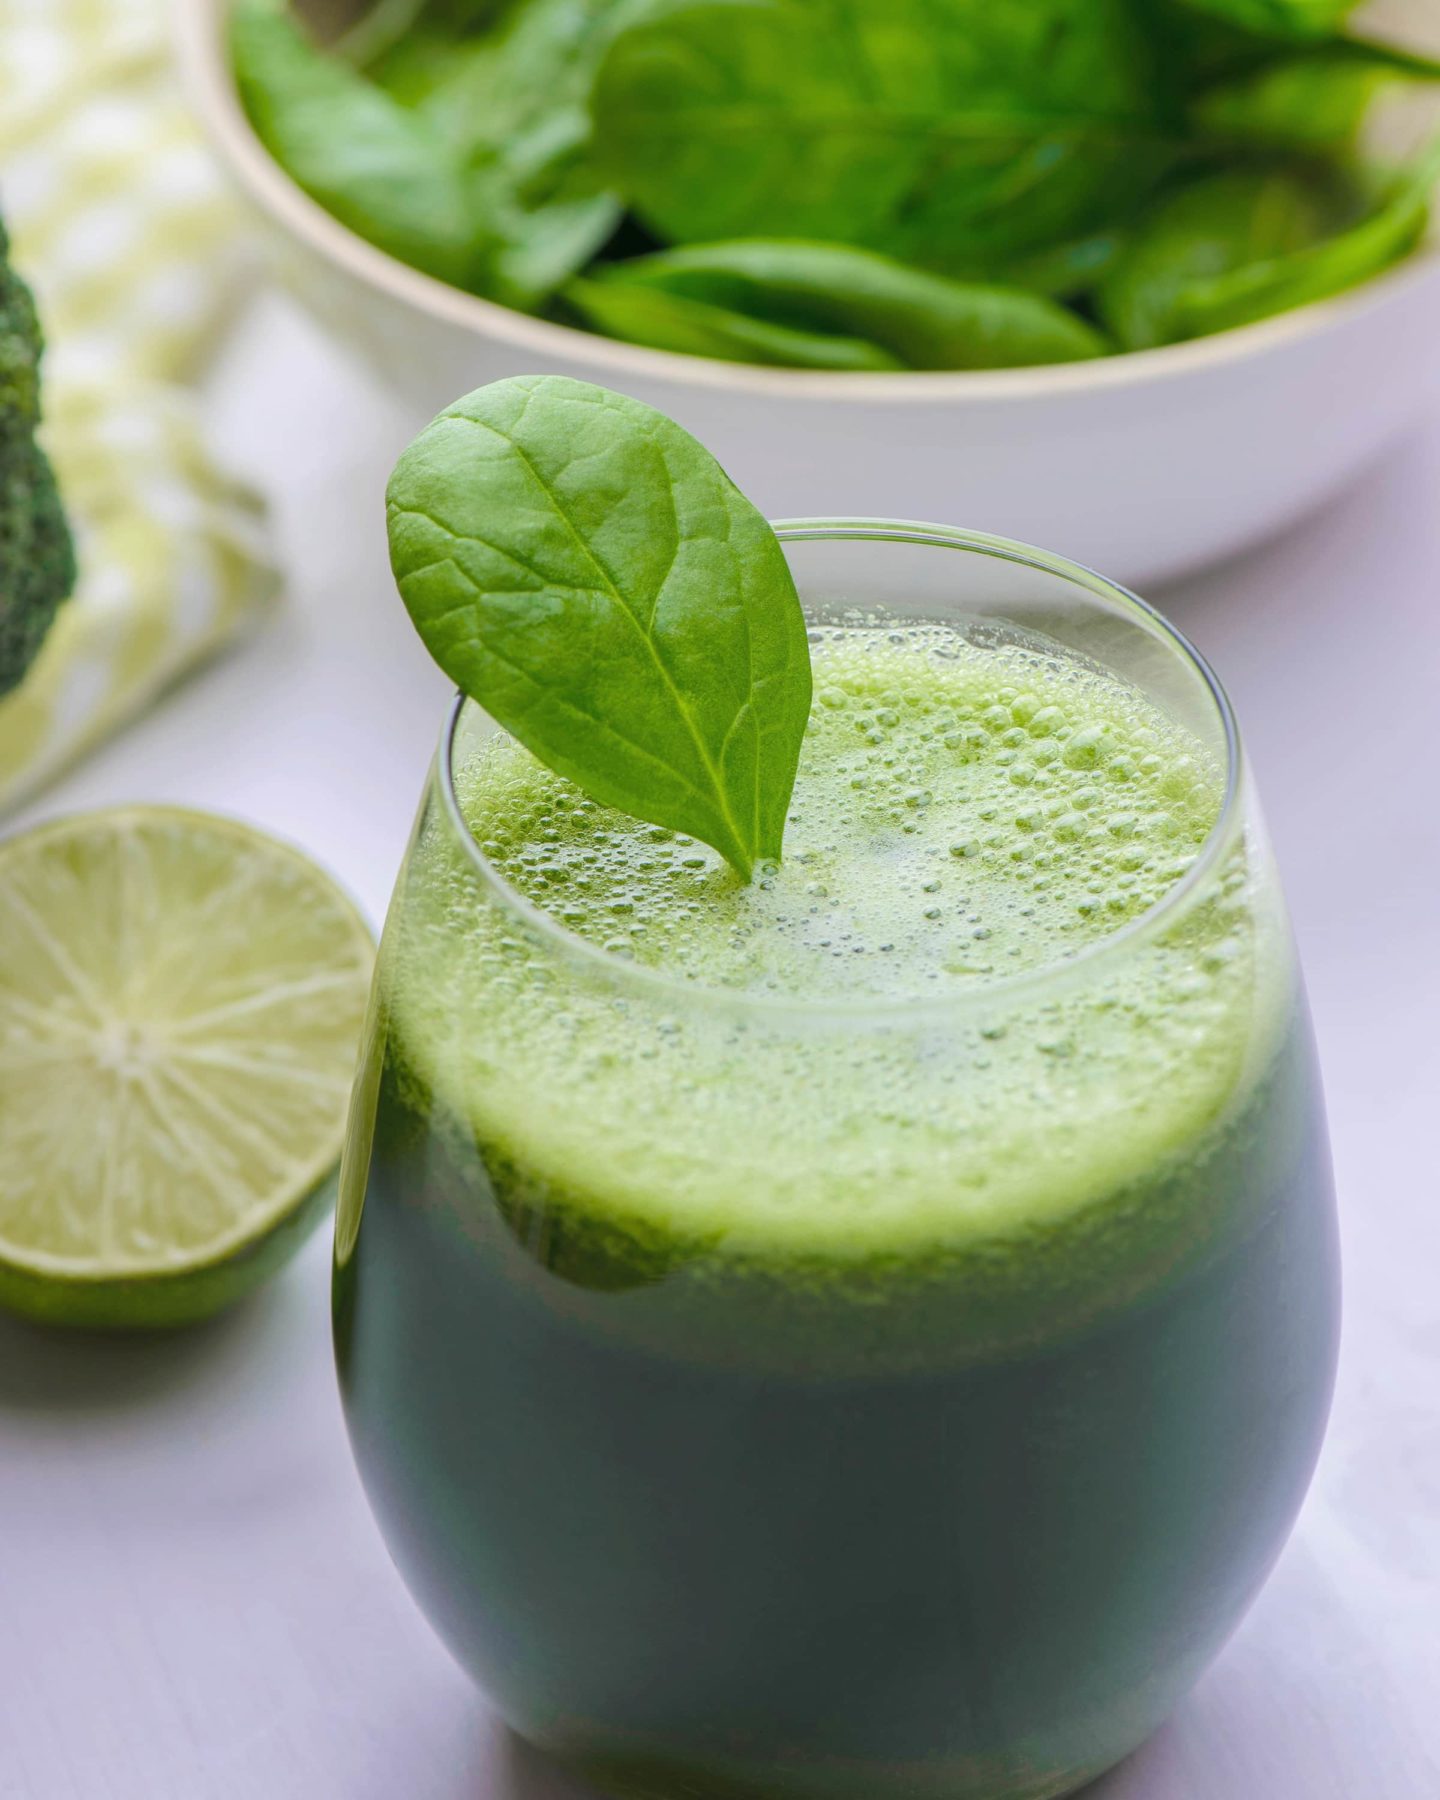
194	1602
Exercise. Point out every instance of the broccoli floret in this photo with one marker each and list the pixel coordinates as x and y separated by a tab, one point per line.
37	559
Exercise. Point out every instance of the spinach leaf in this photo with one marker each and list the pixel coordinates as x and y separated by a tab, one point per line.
1396	58
1312	97
589	573
514	103
953	134
1313	100
383	25
1318	272
1070	270
378	167
532	66
1228	221
924	321
847	184
415	65
1244	244
541	200
389	27
1281	18
637	314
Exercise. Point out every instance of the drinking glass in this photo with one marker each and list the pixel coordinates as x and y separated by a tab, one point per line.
949	1482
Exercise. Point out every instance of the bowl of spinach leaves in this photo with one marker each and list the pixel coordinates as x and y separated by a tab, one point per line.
1147	278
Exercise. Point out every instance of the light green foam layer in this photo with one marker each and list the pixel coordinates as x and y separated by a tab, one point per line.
962	813
959	814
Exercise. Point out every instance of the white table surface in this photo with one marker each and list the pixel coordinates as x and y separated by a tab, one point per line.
194	1601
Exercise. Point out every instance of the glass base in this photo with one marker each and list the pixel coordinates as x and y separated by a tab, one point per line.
638	1774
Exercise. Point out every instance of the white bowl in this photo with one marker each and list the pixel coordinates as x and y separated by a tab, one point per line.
1145	465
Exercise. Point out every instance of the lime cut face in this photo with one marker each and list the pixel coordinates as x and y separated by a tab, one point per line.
180	1003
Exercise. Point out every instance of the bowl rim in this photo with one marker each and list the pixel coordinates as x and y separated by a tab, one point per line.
198	31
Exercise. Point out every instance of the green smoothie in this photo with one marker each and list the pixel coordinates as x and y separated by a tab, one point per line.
866	1332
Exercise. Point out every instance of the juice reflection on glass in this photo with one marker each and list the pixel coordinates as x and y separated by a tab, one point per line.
864	1334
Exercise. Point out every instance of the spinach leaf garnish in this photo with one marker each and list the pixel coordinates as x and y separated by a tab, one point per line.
588	572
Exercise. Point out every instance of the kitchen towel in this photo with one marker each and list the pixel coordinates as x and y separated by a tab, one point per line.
120	224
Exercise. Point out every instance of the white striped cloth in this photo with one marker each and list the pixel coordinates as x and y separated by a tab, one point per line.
119	222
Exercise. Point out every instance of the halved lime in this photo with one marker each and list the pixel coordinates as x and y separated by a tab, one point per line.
180	1003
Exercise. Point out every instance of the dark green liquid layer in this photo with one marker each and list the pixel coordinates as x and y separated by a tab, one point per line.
856	1411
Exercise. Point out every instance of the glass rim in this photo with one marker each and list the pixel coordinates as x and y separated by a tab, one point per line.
626	972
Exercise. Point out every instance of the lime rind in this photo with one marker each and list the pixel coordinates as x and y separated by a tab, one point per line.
175	1298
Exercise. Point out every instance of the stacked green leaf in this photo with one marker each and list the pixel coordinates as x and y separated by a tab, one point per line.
37	561
855	185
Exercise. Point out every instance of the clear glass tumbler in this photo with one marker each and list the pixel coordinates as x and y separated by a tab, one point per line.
954	1500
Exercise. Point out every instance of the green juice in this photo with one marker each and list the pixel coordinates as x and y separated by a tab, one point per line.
865	1333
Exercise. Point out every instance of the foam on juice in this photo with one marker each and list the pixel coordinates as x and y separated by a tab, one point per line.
960	813
965	811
